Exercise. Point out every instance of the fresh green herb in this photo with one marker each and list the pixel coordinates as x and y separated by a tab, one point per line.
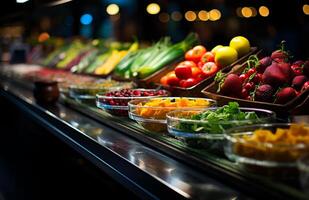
216	121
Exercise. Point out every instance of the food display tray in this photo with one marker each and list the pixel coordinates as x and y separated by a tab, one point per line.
194	91
299	102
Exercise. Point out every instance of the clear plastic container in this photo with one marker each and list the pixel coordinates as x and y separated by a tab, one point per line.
116	105
89	90
205	134
153	116
276	158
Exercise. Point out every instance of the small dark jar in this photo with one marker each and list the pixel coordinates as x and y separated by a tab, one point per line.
46	92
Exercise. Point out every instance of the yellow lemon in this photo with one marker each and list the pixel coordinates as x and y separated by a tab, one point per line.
241	45
216	48
225	56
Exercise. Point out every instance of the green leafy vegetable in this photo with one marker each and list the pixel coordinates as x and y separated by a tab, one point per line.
216	121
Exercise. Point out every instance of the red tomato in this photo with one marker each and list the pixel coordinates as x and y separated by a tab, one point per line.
184	69
163	80
200	64
172	80
209	68
188	82
196	72
208	57
195	54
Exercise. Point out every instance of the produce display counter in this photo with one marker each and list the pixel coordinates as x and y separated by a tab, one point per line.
151	165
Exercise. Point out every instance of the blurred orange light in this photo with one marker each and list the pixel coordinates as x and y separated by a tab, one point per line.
176	16
43	37
214	14
203	15
264	11
164	17
306	9
254	12
190	16
246	12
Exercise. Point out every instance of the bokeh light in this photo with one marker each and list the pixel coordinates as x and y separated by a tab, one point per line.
153	8
112	9
264	11
190	16
86	19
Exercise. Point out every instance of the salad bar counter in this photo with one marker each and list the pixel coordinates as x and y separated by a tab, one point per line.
187	162
175	120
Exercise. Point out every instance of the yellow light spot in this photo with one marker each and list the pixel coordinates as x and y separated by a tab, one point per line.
306	9
43	37
246	12
112	9
164	17
176	16
190	16
203	15
214	14
153	8
254	12
264	11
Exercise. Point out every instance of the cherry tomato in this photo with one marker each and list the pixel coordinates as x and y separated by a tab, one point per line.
243	77
257	78
195	54
172	80
188	82
251	71
244	93
184	69
196	72
163	80
209	68
249	86
208	57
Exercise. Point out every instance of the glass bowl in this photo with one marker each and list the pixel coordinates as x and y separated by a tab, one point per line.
207	134
117	105
273	158
90	89
151	113
303	168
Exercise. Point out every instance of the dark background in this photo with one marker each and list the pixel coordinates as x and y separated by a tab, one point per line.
286	21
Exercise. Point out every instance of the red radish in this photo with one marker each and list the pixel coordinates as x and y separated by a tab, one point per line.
264	93
277	74
299	81
285	95
279	56
305	86
232	86
306	68
263	63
